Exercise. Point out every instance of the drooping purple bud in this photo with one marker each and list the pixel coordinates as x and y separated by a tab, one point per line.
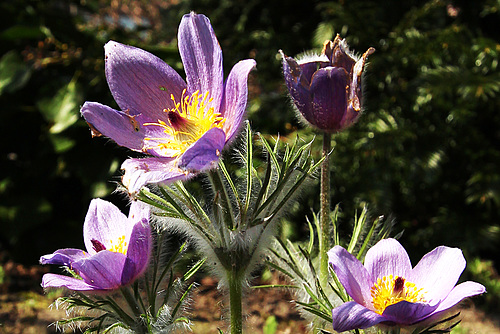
327	89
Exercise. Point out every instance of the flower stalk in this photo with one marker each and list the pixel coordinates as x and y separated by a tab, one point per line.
324	242
235	301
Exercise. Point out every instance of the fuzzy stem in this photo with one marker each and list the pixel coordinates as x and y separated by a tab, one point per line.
235	299
324	240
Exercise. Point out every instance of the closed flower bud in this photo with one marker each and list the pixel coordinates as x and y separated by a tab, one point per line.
326	89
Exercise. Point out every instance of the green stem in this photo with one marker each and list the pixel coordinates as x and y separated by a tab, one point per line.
235	300
324	240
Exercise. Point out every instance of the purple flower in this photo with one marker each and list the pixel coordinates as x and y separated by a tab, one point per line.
183	126
327	89
118	249
387	289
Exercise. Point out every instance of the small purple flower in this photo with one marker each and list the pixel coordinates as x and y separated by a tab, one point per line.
388	290
118	249
327	89
184	126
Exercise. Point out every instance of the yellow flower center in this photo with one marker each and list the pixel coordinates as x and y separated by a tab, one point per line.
120	247
388	291
190	119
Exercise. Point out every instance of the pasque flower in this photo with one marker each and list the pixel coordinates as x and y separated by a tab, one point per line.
118	249
182	125
388	290
326	89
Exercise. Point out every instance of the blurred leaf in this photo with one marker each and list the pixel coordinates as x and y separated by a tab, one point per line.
61	143
14	73
23	32
323	33
271	325
62	110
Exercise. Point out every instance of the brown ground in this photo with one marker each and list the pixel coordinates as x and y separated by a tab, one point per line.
24	309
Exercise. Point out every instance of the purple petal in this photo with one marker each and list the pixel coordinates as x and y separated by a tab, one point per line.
235	96
329	94
117	125
141	83
64	257
351	315
60	281
139	250
351	273
139	172
407	313
387	257
104	222
204	152
438	272
308	69
201	56
139	211
298	86
102	270
459	292
130	272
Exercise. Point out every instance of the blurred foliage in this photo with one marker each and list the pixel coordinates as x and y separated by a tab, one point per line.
271	325
483	272
426	149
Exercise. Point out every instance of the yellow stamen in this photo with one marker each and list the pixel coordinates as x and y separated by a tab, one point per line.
190	119
388	291
120	247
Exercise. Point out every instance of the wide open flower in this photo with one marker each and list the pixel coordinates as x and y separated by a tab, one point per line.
118	249
327	89
387	289
184	126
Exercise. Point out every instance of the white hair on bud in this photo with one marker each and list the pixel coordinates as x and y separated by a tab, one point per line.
309	57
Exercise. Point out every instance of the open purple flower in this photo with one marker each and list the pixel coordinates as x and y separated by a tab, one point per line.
118	249
327	89
183	126
388	290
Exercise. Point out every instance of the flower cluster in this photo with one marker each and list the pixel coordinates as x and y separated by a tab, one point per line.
182	127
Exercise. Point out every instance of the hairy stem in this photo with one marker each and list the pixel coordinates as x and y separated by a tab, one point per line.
324	240
235	300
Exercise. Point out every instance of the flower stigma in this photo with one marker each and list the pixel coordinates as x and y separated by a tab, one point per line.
187	122
97	245
389	290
